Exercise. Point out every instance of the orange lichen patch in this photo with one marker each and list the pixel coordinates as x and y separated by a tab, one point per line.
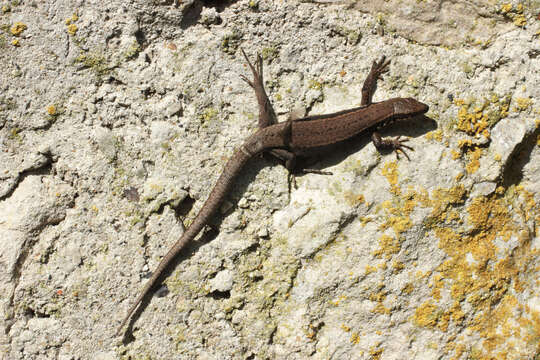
338	300
72	19
370	269
381	309
388	246
397	266
506	8
477	118
379	299
426	315
408	289
71	27
514	13
398	223
51	110
437	284
442	201
430	316
520	20
475	274
473	123
398	213
474	160
472	152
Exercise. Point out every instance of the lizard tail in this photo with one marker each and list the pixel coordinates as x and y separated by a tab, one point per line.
219	192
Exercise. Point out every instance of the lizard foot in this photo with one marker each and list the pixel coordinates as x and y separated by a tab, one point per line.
378	68
398	146
256	70
291	179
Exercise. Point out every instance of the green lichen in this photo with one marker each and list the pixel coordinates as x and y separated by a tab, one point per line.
208	115
7	104
132	51
14	134
96	61
314	84
467	69
269	53
231	42
353	36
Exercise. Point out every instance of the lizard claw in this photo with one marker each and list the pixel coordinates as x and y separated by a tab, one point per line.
380	67
249	82
398	146
256	70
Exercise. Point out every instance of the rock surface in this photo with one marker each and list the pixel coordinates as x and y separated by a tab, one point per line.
117	117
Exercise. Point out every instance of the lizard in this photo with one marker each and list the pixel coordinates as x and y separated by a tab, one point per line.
288	139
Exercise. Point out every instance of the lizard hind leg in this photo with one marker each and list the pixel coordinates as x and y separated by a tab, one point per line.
288	159
267	115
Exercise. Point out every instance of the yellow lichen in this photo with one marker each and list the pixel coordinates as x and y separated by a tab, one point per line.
72	29
72	19
523	104
51	110
375	353
390	172
18	28
408	289
370	269
426	315
477	117
474	164
475	273
355	338
505	8
435	135
520	20
387	246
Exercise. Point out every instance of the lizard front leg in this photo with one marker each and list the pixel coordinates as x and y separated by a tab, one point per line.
391	144
370	84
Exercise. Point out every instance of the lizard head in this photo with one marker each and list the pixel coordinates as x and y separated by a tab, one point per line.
408	107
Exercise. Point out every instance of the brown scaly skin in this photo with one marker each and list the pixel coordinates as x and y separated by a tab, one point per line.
287	139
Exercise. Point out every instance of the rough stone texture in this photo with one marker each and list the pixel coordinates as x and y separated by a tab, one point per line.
117	117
